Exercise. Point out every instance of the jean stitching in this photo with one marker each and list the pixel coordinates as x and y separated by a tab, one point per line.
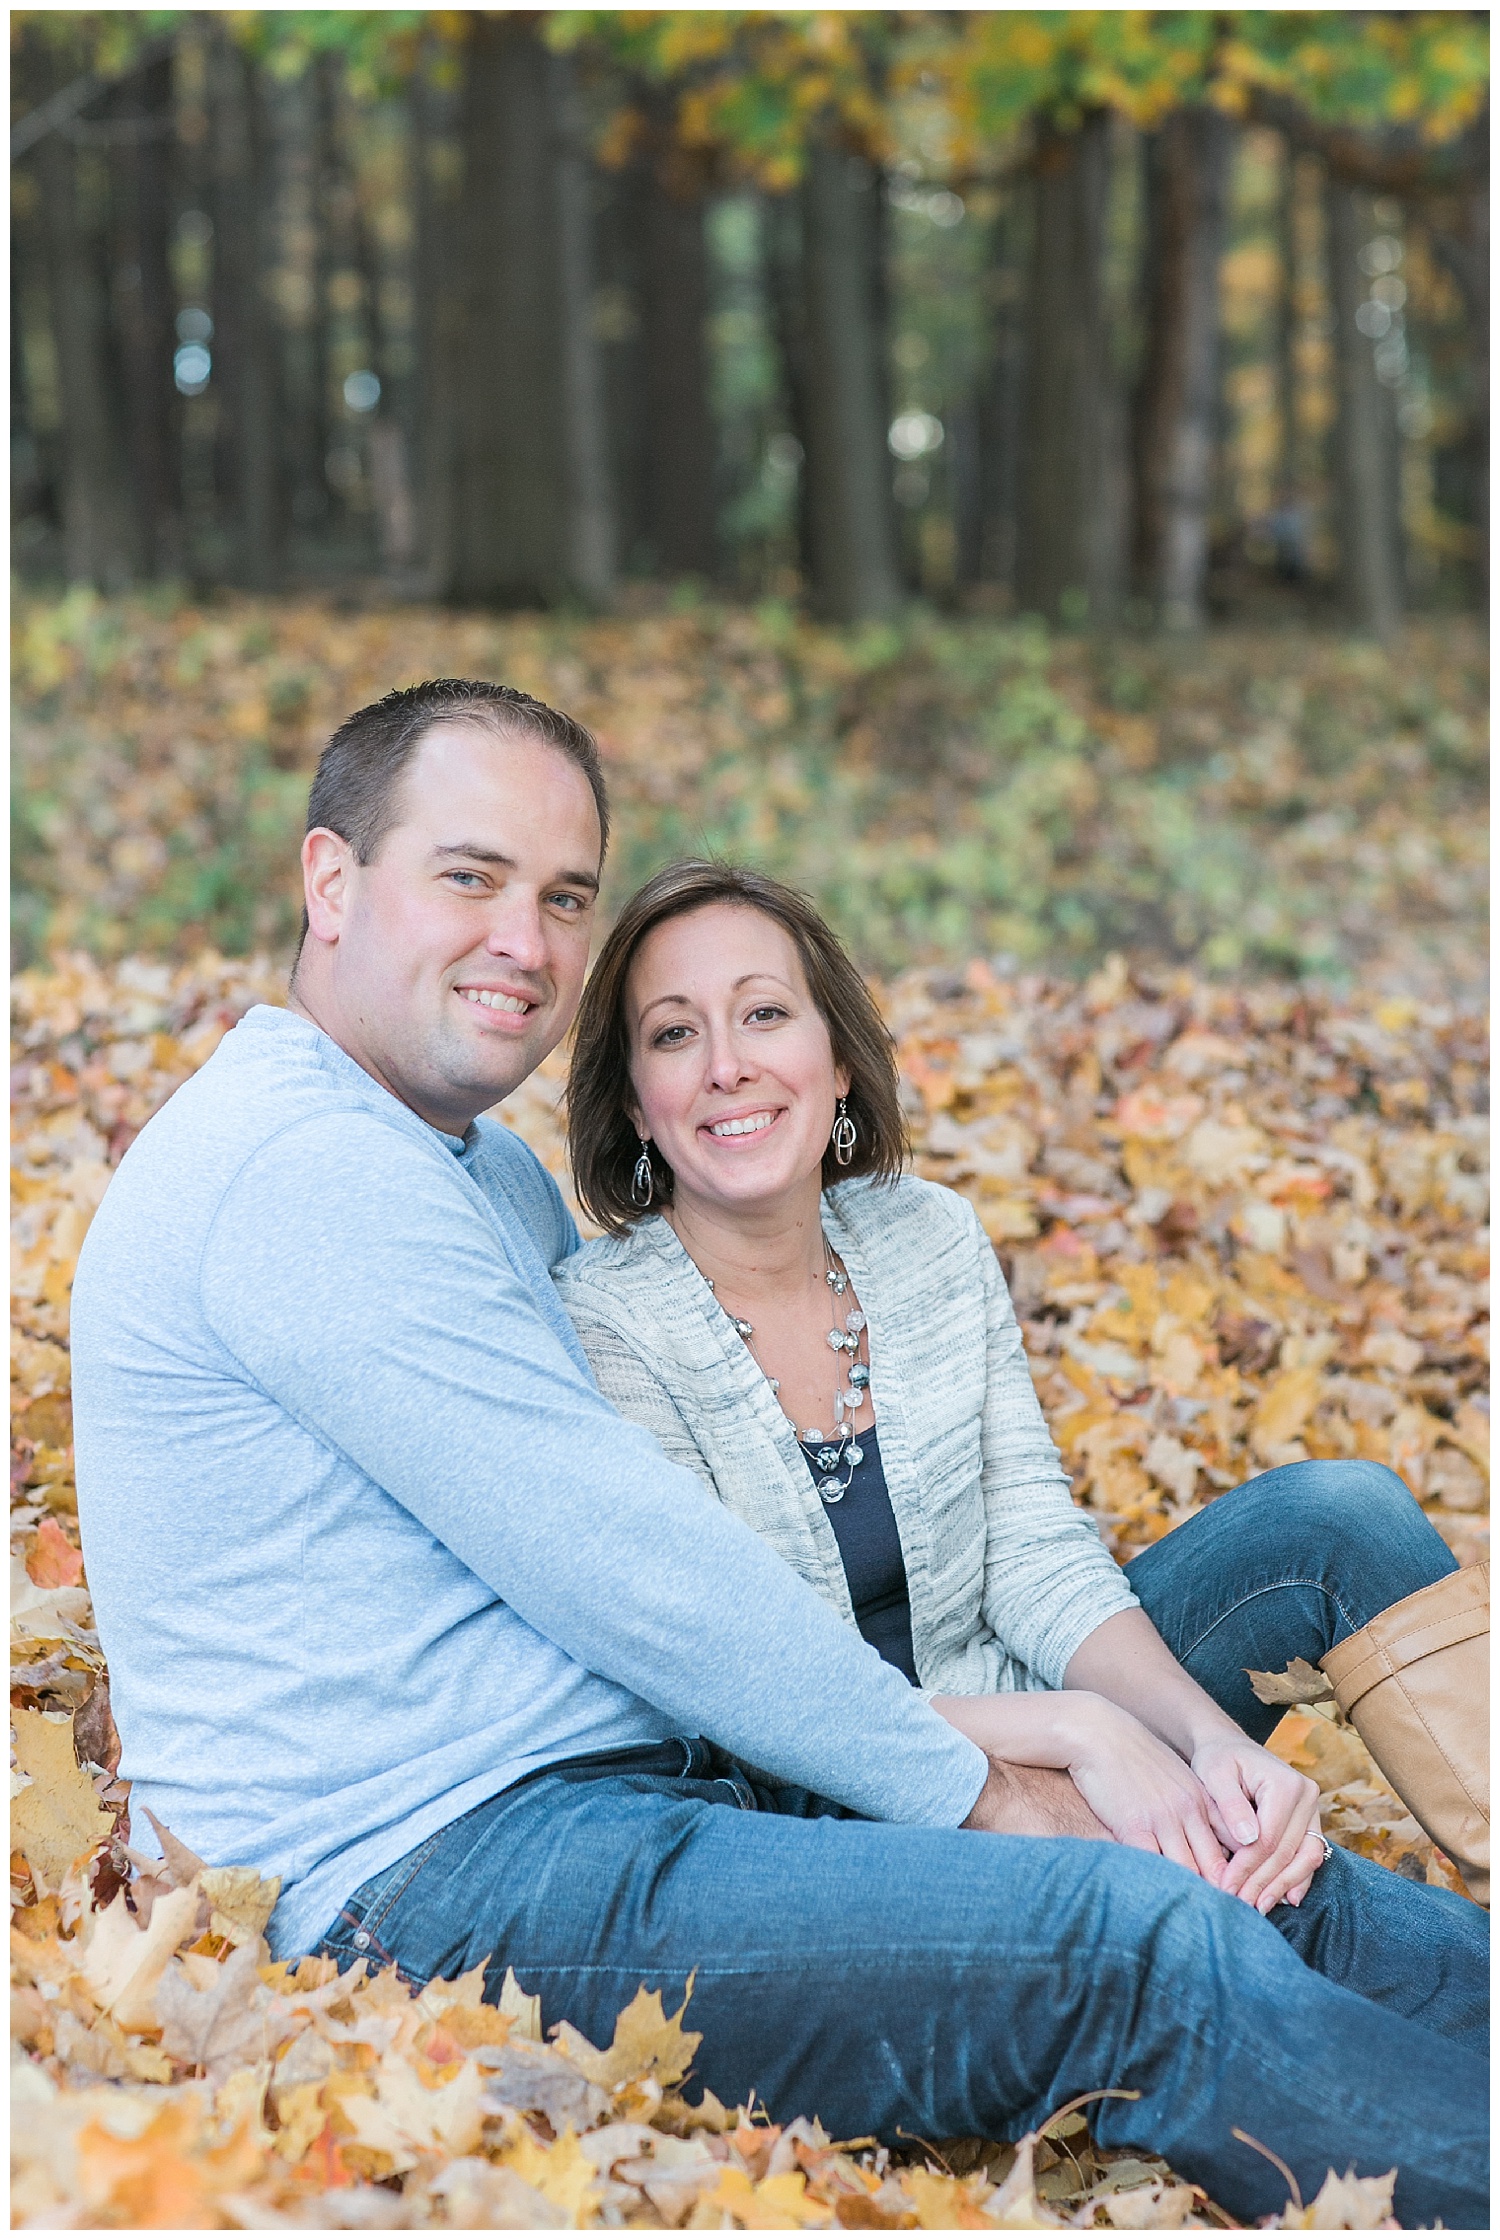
1273	1586
383	1902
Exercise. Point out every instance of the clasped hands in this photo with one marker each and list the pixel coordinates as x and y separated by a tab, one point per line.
1231	1812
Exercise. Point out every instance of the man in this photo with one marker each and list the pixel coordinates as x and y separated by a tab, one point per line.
397	1609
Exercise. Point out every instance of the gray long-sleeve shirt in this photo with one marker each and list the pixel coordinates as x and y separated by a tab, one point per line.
365	1543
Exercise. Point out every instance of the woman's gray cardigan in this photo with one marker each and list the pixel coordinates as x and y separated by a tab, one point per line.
1006	1576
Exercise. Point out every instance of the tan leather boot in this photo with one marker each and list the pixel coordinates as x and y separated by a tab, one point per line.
1414	1683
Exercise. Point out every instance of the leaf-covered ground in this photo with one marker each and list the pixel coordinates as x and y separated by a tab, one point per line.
1241	1226
1257	800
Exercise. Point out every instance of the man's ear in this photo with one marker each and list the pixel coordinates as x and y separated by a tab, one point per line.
326	864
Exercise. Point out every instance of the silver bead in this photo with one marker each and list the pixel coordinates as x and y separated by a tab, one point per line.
856	1322
836	1340
811	1438
856	1456
859	1375
745	1329
831	1490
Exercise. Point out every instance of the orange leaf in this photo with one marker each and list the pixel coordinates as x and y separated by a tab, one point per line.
54	1561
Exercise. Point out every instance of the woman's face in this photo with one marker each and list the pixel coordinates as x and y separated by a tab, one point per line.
730	1058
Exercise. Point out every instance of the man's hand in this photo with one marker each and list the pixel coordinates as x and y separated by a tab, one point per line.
1034	1801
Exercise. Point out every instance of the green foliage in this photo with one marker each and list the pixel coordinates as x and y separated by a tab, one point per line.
752	85
1268	801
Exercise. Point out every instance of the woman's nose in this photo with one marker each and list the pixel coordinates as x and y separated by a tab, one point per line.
728	1064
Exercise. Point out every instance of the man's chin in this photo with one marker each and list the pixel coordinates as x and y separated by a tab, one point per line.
490	1074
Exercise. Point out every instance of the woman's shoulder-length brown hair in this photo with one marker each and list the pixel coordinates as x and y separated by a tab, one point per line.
603	1145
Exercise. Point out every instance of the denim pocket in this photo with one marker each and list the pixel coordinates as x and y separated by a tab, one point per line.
351	1935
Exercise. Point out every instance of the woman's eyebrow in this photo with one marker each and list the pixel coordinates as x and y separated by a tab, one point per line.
743	981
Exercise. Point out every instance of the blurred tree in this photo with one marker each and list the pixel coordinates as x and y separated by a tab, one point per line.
652	316
796	104
1366	447
140	119
1187	185
532	510
100	542
1070	552
515	434
246	334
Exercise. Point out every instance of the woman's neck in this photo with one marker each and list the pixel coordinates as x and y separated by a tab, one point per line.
754	1253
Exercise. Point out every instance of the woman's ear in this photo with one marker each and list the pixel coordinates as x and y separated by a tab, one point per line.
633	1115
842	1081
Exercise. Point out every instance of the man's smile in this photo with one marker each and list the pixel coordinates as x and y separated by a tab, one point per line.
496	999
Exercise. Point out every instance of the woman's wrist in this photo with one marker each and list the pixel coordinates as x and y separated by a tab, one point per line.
1041	1727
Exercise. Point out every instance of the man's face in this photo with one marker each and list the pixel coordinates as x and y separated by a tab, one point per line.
451	963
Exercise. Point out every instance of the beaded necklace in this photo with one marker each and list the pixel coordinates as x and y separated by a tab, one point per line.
841	1449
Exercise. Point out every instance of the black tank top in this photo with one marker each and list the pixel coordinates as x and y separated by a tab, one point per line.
864	1525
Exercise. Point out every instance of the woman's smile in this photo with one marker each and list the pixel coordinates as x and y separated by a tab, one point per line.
737	1127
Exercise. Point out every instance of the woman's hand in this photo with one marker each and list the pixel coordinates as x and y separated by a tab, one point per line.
1144	1793
1247	1788
1135	1787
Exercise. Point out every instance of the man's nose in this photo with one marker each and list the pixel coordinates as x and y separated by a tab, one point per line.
516	931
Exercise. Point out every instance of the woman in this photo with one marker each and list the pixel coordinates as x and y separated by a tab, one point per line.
829	1343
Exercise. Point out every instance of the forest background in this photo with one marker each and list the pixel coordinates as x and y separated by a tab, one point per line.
1022	476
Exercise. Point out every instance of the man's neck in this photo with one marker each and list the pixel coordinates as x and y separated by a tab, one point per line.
323	1015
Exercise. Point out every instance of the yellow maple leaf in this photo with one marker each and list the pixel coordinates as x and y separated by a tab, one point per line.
57	1816
1284	1408
122	1963
302	2119
405	2118
562	2172
243	1901
772	2206
648	2042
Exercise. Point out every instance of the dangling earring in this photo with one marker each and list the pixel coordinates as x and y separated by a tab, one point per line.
643	1181
845	1135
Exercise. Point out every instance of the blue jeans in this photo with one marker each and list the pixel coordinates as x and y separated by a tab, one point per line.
917	1982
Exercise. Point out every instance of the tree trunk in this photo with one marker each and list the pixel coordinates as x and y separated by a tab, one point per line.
1366	453
99	541
1461	239
534	522
146	299
588	505
1070	562
1187	186
855	572
1284	346
679	449
989	488
436	309
782	236
245	337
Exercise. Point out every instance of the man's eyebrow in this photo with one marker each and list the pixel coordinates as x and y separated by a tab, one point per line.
477	854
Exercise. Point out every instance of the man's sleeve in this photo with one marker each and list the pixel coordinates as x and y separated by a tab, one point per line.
357	1284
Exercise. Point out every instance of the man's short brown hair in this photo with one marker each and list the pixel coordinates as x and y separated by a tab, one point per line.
602	1143
354	792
